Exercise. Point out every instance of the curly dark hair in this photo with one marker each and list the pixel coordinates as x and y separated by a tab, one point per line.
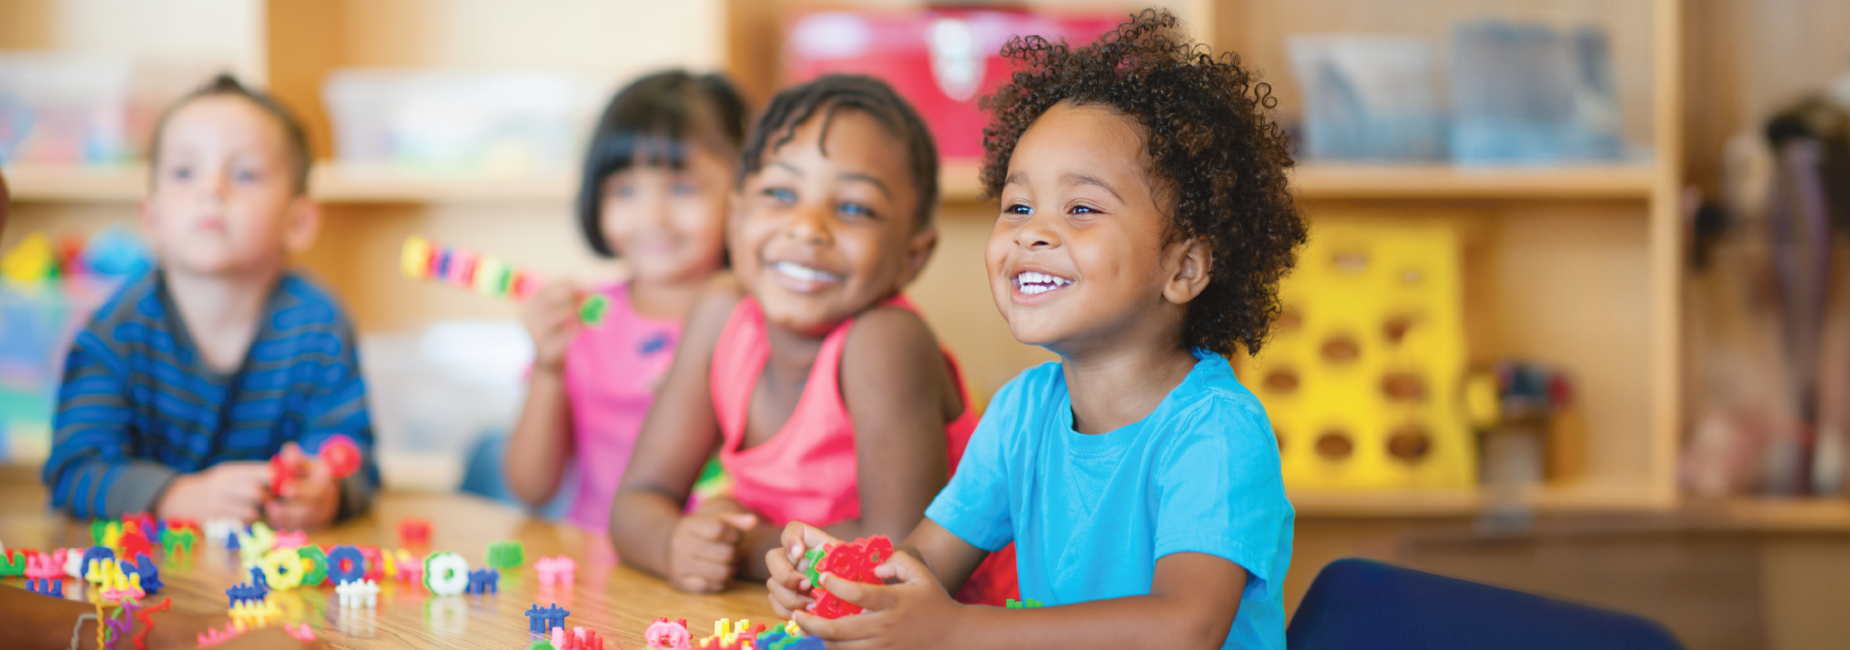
833	92
1214	149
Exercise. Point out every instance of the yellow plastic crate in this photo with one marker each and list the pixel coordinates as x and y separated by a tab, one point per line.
1362	375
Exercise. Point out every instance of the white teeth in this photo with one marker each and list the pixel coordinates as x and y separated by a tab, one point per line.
804	273
1031	282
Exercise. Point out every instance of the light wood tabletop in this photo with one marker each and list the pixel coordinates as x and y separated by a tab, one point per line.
615	601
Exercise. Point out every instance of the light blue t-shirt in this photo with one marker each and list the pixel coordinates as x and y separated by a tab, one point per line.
1091	514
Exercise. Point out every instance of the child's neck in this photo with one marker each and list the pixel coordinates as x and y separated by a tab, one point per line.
221	311
1118	385
665	299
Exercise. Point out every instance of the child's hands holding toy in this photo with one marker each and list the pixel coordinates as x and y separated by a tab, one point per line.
703	550
912	611
232	489
789	583
310	495
551	317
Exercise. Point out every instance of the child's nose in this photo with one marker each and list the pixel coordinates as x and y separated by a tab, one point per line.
810	225
1037	233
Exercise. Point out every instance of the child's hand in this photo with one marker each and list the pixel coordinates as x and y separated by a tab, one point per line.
703	550
789	583
231	489
912	613
551	317
311	497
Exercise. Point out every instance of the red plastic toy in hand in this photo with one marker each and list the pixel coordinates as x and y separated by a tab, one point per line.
853	561
338	452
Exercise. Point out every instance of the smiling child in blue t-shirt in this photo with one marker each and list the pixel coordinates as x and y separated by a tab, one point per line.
1145	224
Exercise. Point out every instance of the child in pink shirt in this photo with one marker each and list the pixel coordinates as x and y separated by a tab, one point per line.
658	173
824	394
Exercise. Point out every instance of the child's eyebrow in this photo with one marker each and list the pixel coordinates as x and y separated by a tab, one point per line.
851	176
1076	178
792	168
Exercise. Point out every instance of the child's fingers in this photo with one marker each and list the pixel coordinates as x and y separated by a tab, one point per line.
703	577
787	599
799	537
832	630
782	570
904	568
871	597
712	552
742	521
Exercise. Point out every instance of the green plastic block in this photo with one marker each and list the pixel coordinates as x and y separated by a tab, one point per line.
506	555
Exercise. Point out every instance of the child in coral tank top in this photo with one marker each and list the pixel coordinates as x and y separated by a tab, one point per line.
826	396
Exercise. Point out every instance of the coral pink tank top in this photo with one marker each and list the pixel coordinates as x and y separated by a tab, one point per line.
806	472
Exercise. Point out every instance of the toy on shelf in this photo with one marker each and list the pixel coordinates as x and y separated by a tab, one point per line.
664	634
358	593
488	276
414	532
482	581
851	561
1363	374
446	574
506	555
338	453
542	619
558	570
730	635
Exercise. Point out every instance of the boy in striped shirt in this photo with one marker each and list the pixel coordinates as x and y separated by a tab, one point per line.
191	377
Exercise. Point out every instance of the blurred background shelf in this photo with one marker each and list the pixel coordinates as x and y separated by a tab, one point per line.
1315	180
48	184
1578	498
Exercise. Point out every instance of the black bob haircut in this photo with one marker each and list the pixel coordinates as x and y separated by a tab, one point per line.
1213	149
225	85
830	93
654	121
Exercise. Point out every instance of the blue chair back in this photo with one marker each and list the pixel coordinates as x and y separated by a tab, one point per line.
1355	604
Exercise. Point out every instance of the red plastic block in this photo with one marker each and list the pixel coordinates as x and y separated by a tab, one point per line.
414	532
852	561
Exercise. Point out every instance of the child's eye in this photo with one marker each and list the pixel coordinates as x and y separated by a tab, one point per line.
623	191
1018	209
684	189
182	173
857	210
1084	209
247	176
780	195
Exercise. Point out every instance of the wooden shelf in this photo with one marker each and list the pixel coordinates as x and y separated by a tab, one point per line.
1470	503
1345	181
75	184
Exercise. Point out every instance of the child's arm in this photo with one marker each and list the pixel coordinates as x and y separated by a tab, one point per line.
93	470
695	552
542	439
899	392
318	499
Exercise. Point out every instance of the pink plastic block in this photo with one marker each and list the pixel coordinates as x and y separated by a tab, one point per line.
289	539
558	570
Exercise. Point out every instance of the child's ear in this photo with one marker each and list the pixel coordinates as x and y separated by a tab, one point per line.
918	252
1191	261
301	225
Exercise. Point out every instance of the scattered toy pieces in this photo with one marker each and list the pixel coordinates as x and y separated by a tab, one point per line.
358	593
558	570
375	562
410	567
446	574
291	539
46	565
488	276
149	574
314	565
506	555
300	631
47	586
482	581
244	593
1029	603
337	453
345	564
255	614
13	563
730	635
414	532
578	639
282	569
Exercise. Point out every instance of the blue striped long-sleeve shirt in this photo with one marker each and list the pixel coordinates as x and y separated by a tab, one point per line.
139	406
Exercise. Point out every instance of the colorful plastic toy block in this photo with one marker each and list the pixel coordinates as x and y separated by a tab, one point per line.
851	561
314	565
222	530
358	593
178	539
91	556
557	570
74	562
255	614
488	276
541	619
730	635
291	539
46	586
46	565
282	569
338	453
482	581
133	543
414	532
664	634
577	639
1023	604
246	592
410	568
1363	376
13	563
446	574
375	562
150	575
346	564
506	555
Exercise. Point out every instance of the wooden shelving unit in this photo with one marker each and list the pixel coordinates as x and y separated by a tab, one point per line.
1448	182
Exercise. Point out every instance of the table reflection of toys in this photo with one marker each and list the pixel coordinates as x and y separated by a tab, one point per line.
609	603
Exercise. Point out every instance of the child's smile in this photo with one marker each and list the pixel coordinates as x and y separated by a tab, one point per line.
1080	253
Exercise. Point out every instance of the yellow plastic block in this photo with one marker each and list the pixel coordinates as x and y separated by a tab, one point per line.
1362	377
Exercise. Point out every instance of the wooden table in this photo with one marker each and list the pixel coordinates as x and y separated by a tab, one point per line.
615	601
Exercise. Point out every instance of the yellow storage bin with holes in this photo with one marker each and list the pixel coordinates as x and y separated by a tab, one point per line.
1362	375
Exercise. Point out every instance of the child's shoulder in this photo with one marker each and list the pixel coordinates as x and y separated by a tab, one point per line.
137	299
1212	402
301	302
